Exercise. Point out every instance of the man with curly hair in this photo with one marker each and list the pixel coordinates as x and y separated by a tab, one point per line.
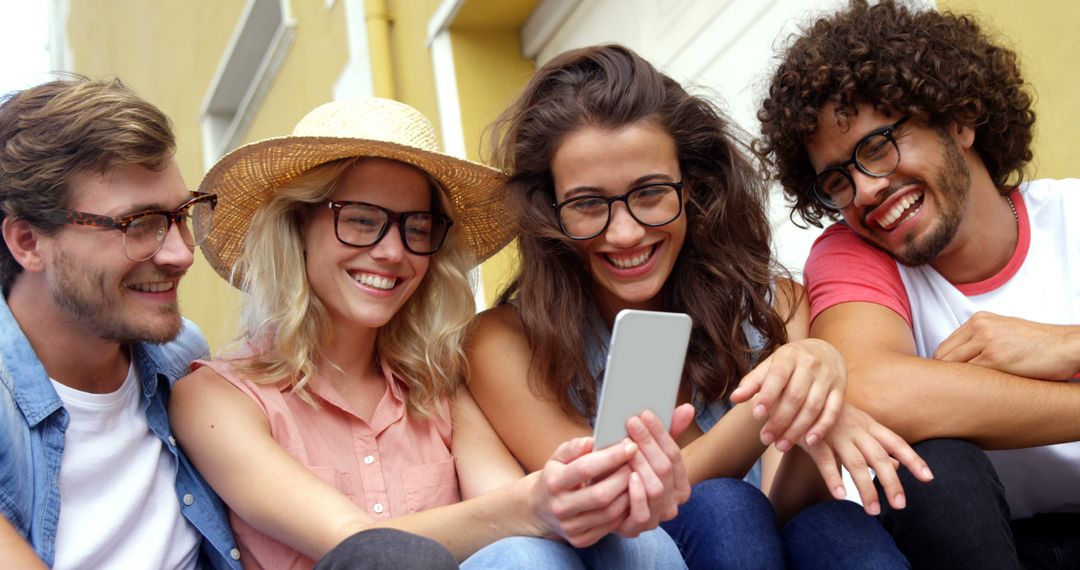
950	287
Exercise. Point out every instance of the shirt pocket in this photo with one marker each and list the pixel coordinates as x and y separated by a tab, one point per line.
430	485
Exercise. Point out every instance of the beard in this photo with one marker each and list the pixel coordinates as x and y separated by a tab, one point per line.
953	187
82	292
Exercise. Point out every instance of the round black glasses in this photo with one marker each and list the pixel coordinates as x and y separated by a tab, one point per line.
587	216
360	224
877	155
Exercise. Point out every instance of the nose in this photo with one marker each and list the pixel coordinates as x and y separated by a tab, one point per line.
390	247
867	188
623	230
175	252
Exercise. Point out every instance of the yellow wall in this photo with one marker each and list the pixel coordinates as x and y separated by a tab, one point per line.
1049	47
306	79
167	51
413	71
491	71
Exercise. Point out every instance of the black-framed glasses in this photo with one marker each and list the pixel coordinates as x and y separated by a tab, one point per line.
877	155
145	232
587	216
360	224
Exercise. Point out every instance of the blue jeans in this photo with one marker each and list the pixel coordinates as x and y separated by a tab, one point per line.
653	549
728	523
962	520
839	534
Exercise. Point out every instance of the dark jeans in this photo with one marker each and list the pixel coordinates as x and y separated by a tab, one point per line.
387	549
729	523
962	520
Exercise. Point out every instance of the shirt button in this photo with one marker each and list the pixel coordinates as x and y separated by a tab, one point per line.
189	499
378	508
369	459
235	554
172	441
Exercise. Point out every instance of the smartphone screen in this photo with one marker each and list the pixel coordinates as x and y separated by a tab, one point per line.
644	366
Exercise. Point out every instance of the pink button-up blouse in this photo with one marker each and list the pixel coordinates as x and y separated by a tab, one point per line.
395	465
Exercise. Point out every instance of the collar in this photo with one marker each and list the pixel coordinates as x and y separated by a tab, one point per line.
22	373
391	406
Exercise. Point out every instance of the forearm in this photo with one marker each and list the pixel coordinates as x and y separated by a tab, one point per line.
797	485
729	449
923	399
1071	352
15	551
471	525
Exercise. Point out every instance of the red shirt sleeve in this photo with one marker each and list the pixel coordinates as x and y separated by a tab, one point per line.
844	268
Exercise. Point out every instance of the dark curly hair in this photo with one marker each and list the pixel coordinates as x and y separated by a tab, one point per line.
940	68
724	274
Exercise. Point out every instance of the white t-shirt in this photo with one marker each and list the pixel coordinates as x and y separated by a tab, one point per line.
1045	288
1040	283
118	504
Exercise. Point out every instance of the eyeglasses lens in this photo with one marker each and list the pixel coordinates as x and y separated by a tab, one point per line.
653	205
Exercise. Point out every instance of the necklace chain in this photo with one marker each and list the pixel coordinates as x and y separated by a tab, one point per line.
1013	208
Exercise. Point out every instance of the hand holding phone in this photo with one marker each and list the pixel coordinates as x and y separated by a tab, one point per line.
644	367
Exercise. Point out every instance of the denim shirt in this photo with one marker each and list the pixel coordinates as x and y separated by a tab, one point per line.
32	425
706	414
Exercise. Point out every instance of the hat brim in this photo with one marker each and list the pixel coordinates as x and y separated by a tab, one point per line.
246	178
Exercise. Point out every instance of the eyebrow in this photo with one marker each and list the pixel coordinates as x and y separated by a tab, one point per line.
639	181
152	207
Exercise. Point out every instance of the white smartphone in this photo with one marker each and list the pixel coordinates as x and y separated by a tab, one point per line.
644	366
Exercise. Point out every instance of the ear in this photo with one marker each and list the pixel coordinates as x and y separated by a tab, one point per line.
24	241
964	135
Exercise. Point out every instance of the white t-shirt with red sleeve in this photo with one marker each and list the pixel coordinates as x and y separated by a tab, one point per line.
1040	283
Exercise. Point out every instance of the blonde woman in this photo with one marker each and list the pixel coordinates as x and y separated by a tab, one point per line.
342	410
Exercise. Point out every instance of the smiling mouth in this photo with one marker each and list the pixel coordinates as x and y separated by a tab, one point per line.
380	282
901	211
631	261
152	287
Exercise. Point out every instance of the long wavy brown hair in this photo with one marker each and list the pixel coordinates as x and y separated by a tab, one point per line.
940	68
724	273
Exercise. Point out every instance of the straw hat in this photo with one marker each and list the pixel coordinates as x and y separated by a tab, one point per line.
369	127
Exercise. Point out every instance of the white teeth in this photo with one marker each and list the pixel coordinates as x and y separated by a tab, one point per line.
376	281
152	287
898	208
630	262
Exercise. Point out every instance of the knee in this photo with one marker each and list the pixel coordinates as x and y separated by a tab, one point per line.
727	523
964	495
386	548
947	452
839	534
725	495
960	468
652	549
523	552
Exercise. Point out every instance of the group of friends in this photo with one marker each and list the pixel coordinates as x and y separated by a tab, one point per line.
367	417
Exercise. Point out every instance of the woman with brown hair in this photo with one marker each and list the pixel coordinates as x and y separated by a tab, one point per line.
634	194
